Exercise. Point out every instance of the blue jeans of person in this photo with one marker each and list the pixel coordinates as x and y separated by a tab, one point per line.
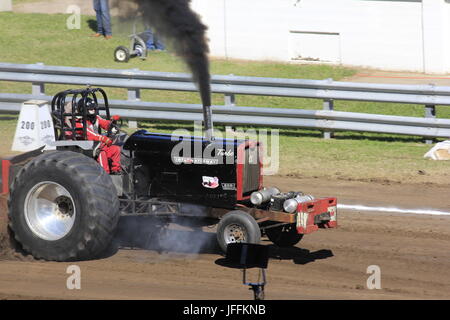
101	8
153	43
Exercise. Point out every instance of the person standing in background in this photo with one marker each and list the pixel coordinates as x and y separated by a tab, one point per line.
101	8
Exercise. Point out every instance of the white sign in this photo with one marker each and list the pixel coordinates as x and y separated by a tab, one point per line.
34	128
441	151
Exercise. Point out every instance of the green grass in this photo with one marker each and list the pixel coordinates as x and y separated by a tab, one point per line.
45	38
23	1
31	38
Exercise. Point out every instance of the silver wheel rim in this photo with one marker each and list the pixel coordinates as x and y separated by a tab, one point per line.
235	233
121	55
49	211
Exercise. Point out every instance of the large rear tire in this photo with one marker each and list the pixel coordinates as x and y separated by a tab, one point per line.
63	207
284	236
237	227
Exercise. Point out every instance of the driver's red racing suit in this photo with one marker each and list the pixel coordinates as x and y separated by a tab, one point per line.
107	150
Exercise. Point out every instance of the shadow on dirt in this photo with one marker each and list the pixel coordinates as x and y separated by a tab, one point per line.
297	255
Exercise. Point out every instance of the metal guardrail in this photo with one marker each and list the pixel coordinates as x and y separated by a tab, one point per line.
327	90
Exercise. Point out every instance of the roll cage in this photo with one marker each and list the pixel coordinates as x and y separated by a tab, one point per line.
65	113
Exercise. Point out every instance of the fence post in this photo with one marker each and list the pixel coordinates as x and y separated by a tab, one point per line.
38	88
430	112
133	95
328	104
230	99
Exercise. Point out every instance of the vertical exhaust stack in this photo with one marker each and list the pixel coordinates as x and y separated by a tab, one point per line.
208	123
175	21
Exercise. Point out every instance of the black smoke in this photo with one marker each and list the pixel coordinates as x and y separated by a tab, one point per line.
176	22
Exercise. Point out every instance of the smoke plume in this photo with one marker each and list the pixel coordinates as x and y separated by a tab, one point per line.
175	21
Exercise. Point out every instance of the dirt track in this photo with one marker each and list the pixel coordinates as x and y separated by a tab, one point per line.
411	250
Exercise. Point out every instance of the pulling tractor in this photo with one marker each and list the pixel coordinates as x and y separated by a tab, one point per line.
63	206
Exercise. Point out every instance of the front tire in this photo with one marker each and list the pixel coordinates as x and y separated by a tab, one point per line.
63	207
284	236
237	227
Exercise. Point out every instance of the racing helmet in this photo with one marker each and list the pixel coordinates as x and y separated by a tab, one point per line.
91	108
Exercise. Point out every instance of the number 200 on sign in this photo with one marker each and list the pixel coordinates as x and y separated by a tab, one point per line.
27	125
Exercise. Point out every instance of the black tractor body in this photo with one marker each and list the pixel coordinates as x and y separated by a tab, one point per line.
218	173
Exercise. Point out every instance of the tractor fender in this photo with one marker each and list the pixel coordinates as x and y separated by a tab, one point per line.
10	166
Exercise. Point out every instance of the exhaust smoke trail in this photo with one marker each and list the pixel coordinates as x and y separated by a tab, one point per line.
176	22
150	234
391	210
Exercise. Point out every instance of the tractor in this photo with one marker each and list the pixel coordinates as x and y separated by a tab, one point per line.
63	206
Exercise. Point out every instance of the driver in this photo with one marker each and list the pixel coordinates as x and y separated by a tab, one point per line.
109	156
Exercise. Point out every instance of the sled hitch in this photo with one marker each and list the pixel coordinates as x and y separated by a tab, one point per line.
320	213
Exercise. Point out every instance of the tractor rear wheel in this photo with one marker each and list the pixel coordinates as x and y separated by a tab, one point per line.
237	227
63	207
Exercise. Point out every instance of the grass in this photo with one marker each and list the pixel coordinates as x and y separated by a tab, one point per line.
31	38
15	2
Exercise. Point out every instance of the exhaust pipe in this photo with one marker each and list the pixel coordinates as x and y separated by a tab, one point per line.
262	196
290	205
208	123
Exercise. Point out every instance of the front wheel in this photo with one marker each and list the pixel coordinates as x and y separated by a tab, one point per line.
237	227
284	236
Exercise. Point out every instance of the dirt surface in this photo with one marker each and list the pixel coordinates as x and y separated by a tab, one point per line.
399	77
5	250
411	251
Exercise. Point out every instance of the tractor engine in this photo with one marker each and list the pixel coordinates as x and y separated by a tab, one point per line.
220	173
